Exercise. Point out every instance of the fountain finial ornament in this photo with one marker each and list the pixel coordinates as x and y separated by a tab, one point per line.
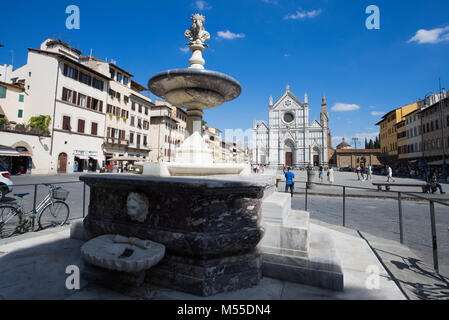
197	36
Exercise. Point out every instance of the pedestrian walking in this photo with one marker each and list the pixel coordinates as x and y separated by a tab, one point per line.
289	181
320	175
358	170
364	173
390	174
330	175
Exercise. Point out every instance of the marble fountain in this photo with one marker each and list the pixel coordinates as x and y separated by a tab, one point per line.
208	219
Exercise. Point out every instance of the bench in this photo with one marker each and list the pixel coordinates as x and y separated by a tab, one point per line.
388	185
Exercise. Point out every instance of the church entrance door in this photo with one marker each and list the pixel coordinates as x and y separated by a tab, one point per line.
289	159
316	160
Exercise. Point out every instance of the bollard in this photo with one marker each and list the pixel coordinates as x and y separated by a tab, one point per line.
434	236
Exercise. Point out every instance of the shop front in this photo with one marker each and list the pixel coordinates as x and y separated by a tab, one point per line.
85	161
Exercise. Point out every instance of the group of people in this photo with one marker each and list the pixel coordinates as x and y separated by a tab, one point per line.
120	168
258	168
364	172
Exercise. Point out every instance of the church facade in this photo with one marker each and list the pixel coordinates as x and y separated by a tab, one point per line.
289	138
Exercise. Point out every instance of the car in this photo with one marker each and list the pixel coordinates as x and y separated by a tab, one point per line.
6	184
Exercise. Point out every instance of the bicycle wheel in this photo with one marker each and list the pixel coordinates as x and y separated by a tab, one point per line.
10	220
54	215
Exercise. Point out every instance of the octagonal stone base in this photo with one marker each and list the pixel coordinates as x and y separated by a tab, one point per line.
210	227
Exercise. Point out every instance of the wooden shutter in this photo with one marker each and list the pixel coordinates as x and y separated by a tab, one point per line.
81	126
66	123
94	130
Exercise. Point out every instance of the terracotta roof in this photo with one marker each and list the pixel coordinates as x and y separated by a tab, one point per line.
343	145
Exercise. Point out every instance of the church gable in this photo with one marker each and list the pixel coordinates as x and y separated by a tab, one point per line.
316	124
287	101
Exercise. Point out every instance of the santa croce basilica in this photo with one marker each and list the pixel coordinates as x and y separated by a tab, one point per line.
289	138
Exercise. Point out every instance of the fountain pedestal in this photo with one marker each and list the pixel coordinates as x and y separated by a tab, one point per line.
210	227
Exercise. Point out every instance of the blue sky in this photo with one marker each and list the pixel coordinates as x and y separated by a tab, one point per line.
319	46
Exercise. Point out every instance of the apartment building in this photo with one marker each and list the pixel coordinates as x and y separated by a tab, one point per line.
128	114
73	96
167	131
432	138
212	137
389	134
414	136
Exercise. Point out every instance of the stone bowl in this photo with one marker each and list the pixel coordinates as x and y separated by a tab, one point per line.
195	89
105	253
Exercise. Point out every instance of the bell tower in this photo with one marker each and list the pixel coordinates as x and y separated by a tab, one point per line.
324	118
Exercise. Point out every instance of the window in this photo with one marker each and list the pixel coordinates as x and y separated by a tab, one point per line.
131	138
126	99
21	97
2	92
145	140
20	114
436	125
81	124
94	129
119	77
133	106
140	108
82	100
112	71
109	109
146	111
125	81
133	119
66	123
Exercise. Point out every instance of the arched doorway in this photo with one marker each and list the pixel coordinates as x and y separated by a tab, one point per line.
62	163
289	153
316	157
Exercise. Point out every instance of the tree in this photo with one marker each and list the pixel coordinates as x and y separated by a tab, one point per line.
371	144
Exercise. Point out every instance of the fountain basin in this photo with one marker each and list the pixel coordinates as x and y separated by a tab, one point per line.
209	227
195	89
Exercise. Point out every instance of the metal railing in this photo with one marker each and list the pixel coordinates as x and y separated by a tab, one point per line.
35	198
400	212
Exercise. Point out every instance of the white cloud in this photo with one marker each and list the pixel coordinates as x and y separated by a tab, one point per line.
286	55
228	35
343	107
377	113
270	1
202	5
431	36
303	14
184	49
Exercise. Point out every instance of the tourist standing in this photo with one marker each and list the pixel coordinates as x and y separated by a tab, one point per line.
358	170
390	174
289	181
370	172
320	175
330	175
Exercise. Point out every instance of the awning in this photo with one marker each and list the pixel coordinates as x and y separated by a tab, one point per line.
437	163
127	159
82	157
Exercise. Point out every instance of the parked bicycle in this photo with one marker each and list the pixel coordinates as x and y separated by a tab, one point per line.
52	211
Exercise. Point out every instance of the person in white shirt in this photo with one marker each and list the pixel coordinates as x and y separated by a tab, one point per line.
390	174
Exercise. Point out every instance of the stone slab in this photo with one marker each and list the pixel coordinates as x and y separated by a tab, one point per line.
322	267
275	208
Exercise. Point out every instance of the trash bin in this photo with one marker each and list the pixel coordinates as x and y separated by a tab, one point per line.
310	179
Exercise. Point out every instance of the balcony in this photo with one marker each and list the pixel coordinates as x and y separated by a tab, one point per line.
119	142
23	129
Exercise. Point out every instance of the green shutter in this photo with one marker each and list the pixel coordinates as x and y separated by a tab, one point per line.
2	92
20	115
21	97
